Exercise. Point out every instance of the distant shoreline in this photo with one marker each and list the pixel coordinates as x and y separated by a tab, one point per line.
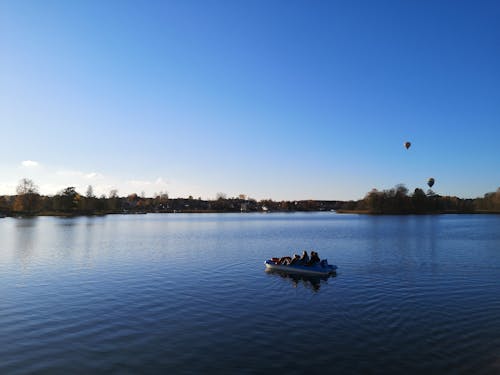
394	201
342	211
448	212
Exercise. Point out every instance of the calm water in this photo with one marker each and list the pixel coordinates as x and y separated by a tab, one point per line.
184	294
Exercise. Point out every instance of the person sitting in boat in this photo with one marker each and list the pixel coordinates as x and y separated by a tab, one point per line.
314	259
304	259
295	260
285	260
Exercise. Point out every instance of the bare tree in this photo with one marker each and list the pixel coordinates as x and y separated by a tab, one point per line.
27	196
26	186
113	200
220	196
90	192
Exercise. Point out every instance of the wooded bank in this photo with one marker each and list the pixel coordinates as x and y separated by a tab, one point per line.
28	202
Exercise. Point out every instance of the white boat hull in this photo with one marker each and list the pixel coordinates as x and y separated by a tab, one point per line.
305	270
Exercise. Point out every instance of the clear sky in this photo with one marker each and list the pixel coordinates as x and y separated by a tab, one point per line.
273	99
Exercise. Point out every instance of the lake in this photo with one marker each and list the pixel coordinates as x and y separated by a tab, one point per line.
188	293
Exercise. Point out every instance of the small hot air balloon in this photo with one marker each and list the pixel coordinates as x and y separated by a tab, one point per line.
430	182
407	145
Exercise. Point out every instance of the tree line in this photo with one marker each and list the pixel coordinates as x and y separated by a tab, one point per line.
68	202
397	200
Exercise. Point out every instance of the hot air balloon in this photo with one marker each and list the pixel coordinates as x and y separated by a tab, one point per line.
407	145
430	182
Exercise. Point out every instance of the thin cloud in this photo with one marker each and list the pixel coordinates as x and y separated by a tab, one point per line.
79	174
93	175
29	163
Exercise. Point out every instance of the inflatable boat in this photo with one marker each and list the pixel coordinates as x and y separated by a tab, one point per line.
318	269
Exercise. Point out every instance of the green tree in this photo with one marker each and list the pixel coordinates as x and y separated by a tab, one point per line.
374	201
402	202
419	200
67	200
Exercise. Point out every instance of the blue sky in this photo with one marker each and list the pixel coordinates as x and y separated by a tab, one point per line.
280	99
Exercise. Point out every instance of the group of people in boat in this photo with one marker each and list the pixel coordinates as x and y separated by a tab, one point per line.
304	260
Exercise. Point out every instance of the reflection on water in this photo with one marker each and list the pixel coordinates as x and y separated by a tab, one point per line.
307	281
25	236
